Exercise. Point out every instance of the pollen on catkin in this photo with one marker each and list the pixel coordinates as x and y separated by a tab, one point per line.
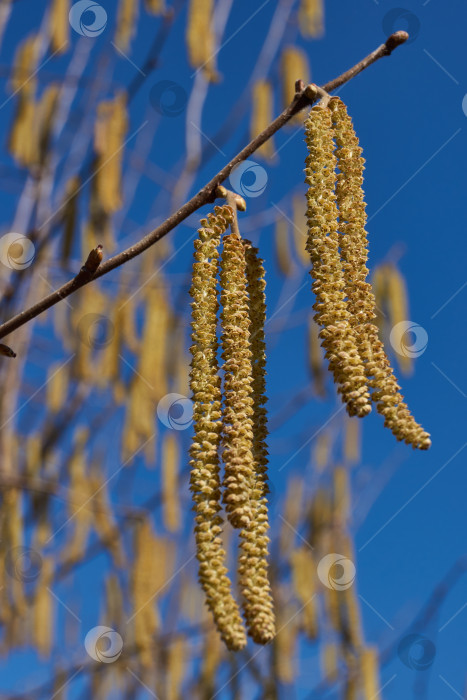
331	310
207	414
360	298
237	433
258	606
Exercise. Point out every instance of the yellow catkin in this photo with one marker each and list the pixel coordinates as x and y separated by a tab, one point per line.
57	386
315	359
23	142
361	302
286	641
59	26
294	66
205	386
114	602
303	581
155	7
328	285
299	228
24	66
46	112
126	23
108	368
369	674
79	495
311	18
170	474
70	216
379	287
258	605
398	311
210	660
262	115
176	667
109	137
282	248
43	610
238	401
352	441
320	519
292	514
329	662
341	496
200	38
150	572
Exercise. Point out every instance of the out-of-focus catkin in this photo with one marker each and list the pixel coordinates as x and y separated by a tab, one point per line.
155	7
200	38
369	674
43	610
304	580
59	26
262	115
109	136
282	248
126	23
258	605
311	18
360	299
205	386
57	386
294	66
323	246
170	467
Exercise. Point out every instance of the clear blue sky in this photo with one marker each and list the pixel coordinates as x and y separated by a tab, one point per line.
408	113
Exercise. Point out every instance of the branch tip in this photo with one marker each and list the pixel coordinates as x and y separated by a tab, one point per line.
395	40
94	260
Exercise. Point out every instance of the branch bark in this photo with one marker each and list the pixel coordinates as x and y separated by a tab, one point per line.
304	98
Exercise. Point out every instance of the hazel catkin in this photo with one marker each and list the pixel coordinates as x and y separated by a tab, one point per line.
205	478
323	246
360	298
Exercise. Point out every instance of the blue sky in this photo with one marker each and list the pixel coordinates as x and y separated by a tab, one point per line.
408	113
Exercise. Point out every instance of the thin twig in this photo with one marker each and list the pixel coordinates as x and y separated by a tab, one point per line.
207	194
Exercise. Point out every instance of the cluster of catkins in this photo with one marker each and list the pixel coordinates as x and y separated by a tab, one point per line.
338	247
230	420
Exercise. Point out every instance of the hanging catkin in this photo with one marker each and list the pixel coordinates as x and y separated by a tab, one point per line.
59	26
238	400
109	136
294	66
126	23
262	115
398	310
282	248
205	386
360	299
170	469
323	246
311	18
258	605
369	673
155	7
200	38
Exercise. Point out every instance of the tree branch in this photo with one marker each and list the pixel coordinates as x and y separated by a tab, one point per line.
304	98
